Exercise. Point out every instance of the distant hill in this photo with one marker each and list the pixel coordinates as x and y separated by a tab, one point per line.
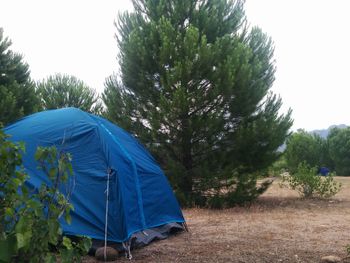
324	133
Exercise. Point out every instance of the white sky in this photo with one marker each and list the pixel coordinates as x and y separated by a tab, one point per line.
312	47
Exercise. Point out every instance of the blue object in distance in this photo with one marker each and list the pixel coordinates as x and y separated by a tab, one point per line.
324	171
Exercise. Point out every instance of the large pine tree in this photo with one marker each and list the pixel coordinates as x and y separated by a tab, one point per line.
17	91
194	87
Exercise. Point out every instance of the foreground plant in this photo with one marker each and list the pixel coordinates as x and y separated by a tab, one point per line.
306	181
29	219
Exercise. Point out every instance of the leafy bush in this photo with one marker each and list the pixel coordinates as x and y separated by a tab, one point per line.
29	226
245	191
181	198
306	147
347	248
278	168
306	181
216	202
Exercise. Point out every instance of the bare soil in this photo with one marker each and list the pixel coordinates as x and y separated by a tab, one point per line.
279	227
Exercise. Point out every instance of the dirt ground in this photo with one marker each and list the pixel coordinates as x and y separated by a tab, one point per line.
279	227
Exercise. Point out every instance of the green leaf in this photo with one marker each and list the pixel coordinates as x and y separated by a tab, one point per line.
86	244
22	146
38	153
54	230
17	182
20	240
53	173
22	224
9	212
25	191
67	255
50	258
32	203
68	218
8	248
70	168
67	243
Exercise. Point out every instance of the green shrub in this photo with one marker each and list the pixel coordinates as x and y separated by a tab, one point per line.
181	198
29	226
278	168
199	200
306	181
216	202
247	190
347	248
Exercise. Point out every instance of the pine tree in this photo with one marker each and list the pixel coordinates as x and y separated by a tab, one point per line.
60	91
17	92
194	87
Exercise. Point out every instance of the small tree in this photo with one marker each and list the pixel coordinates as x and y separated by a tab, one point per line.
29	226
17	91
60	91
306	181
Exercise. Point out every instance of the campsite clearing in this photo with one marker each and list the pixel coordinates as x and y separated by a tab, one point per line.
279	227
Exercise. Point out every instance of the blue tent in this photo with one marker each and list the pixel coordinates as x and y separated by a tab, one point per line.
139	195
324	171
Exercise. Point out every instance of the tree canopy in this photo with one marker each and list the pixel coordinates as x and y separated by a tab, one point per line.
17	91
339	150
306	147
315	151
194	87
60	91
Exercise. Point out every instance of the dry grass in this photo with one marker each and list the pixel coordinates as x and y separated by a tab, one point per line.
279	227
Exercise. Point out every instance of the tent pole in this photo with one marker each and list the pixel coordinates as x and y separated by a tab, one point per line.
185	226
106	216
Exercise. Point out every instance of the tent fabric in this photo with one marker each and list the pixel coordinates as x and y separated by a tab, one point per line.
324	171
142	238
140	196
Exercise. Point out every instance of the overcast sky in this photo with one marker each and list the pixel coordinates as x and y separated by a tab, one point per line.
312	47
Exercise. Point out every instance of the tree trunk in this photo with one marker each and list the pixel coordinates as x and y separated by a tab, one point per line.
187	161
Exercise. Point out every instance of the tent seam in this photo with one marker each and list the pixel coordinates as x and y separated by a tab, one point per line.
137	182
